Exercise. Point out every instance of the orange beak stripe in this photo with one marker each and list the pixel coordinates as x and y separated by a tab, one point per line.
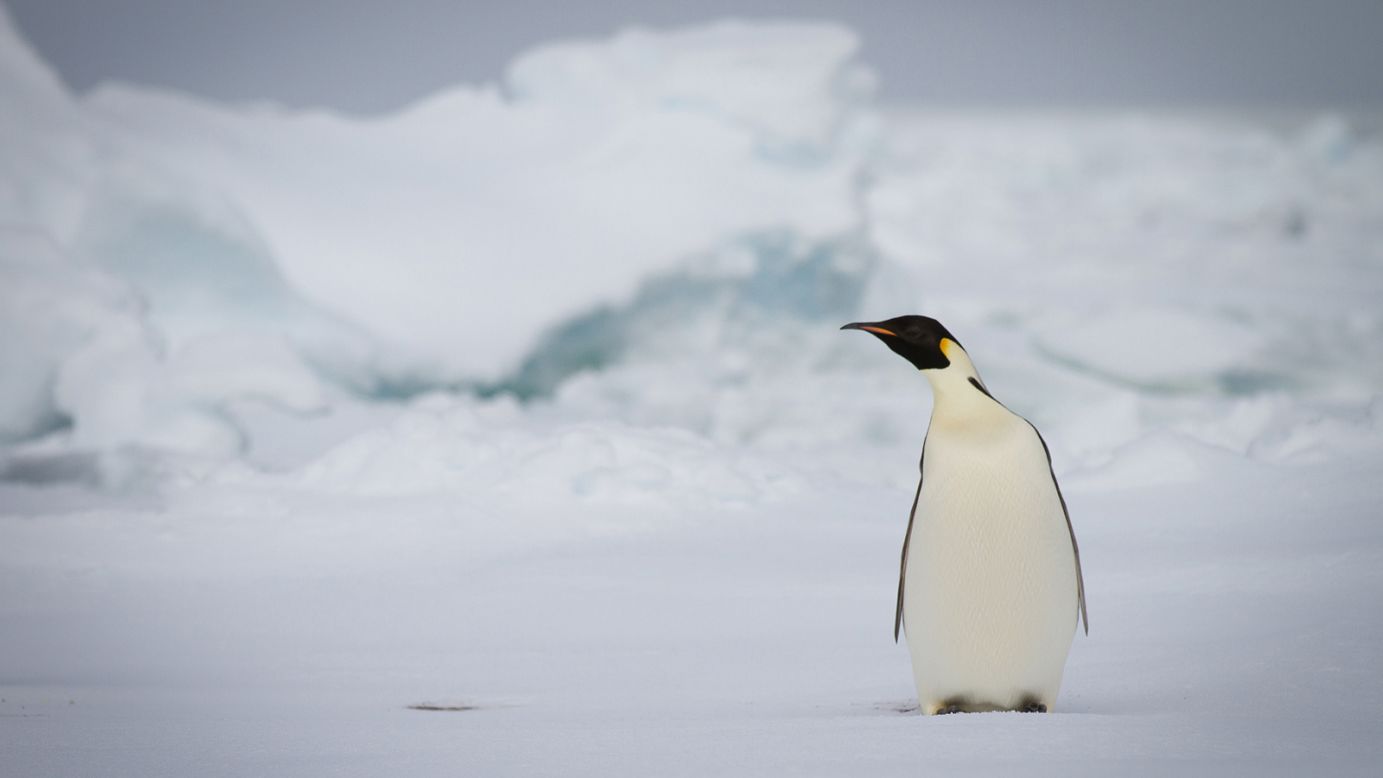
880	330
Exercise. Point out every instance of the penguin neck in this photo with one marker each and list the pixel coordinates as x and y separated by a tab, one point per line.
958	388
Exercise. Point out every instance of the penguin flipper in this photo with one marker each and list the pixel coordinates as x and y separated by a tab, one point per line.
903	566
1075	549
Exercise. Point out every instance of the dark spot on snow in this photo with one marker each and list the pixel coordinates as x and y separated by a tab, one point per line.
436	707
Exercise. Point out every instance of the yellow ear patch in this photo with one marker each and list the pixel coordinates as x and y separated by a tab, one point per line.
946	345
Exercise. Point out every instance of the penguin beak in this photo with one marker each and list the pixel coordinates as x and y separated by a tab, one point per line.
869	327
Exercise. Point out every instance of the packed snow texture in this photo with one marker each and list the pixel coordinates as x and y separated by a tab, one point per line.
530	402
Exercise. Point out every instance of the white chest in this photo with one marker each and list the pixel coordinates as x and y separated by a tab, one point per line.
990	590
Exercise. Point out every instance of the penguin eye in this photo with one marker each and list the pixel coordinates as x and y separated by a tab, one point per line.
913	333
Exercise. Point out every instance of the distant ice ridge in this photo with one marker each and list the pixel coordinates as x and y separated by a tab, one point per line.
656	235
498	456
438	247
463	228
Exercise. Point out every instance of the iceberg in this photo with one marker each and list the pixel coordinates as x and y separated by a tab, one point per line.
447	246
464	228
658	229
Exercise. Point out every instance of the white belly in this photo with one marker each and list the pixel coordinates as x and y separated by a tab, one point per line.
990	602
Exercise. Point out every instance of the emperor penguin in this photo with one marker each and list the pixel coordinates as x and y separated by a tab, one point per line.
990	589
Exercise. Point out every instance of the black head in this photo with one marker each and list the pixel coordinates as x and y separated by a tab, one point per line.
918	339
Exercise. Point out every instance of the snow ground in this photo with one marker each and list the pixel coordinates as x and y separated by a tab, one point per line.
1234	630
645	518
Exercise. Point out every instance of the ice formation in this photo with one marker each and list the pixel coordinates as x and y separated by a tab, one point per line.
464	228
446	246
660	229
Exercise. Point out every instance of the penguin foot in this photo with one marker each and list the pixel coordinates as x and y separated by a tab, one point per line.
1032	706
950	706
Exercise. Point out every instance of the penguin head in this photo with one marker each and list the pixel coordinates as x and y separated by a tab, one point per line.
921	340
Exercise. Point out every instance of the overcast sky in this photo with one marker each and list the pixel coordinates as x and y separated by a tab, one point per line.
369	56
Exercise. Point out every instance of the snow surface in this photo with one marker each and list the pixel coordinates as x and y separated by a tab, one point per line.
529	402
